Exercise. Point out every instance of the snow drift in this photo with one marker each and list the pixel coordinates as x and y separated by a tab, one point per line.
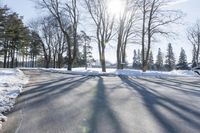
125	72
11	83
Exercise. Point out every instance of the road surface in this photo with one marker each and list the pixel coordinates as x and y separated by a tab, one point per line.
62	103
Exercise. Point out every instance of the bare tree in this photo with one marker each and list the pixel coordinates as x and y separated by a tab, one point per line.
61	47
193	34
47	35
155	20
126	19
43	28
104	23
67	15
51	39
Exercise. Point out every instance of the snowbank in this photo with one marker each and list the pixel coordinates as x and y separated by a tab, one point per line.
11	83
125	72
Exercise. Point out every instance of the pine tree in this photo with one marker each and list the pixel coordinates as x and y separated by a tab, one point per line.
151	61
159	61
182	57
182	63
3	46
135	56
170	59
35	47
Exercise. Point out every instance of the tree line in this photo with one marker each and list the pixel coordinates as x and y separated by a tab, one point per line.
14	38
42	43
162	63
56	38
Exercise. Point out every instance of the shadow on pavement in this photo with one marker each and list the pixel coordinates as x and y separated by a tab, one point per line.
47	91
103	118
153	99
193	84
178	87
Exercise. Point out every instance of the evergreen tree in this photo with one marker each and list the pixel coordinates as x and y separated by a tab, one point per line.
87	49
15	33
3	44
170	59
182	57
13	37
135	57
159	61
151	61
35	47
84	57
182	63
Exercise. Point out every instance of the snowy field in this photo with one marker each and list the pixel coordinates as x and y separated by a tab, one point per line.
11	83
125	72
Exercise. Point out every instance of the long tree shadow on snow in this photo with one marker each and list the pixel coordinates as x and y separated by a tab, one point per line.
103	119
153	98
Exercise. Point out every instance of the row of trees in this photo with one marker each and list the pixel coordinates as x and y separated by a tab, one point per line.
140	21
14	39
169	63
56	38
42	43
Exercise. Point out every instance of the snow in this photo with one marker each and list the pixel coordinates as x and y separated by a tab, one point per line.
125	72
11	83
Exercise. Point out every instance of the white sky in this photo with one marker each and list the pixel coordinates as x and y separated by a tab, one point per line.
190	7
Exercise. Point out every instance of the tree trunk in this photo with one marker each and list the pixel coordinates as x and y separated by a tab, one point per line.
12	58
198	50
34	61
59	60
5	58
47	64
119	54
103	62
145	66
124	56
23	60
69	62
102	55
26	60
54	61
5	54
143	36
69	67
16	60
8	61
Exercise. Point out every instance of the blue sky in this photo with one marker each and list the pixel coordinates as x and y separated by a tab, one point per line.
190	7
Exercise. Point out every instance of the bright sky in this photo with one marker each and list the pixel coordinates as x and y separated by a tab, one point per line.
190	7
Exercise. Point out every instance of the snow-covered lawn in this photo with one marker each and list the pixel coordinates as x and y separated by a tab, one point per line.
125	72
11	83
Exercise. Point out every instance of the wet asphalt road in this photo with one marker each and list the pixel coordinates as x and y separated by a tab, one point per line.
63	103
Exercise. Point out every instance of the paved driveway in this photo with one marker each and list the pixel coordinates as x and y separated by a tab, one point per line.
61	103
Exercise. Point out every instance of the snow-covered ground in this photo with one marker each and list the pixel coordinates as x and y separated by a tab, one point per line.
125	72
11	83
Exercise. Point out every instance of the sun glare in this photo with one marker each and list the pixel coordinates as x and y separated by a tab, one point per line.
116	7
